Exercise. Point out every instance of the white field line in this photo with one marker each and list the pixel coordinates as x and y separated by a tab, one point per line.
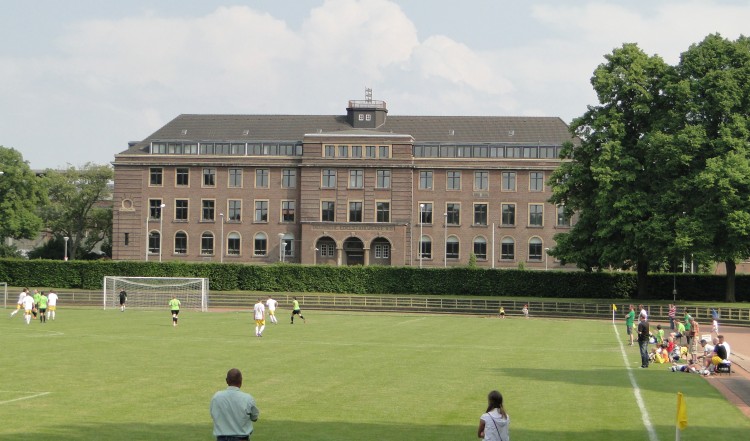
40	394
636	391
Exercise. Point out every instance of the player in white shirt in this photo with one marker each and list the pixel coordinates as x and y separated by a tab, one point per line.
271	303
20	301
28	307
260	318
51	304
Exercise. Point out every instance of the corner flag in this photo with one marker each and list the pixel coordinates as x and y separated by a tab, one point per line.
614	307
682	421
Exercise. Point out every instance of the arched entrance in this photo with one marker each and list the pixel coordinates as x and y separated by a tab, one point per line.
325	251
354	252
380	252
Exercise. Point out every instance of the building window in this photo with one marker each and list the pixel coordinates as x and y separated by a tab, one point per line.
361	116
343	151
154	242
182	177
370	151
127	239
480	248
356	151
425	246
508	217
563	220
261	178
330	151
261	211
208	210
235	177
288	243
509	181
289	178
382	251
383	212
355	211
234	241
356	179
384	151
180	243
536	181
425	213
154	209
328	211
425	180
454	213
181	210
480	214
451	248
329	178
235	210
481	180
535	249
260	244
384	179
508	249
536	215
209	177
207	244
327	249
155	176
287	211
368	117
453	181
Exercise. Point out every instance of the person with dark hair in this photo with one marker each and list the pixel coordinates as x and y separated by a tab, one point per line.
296	310
629	320
123	299
643	335
493	424
233	411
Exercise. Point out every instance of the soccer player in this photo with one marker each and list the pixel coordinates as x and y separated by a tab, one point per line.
502	312
174	306
271	304
629	320
42	305
28	307
260	318
52	300
296	310
123	299
21	296
36	302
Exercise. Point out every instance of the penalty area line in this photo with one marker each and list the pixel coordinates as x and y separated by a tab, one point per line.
636	391
40	394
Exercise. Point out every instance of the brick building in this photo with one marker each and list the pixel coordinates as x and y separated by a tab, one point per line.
359	188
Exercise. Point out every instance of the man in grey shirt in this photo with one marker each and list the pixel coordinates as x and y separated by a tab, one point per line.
233	411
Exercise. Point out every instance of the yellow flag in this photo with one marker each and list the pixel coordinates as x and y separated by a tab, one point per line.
681	412
614	307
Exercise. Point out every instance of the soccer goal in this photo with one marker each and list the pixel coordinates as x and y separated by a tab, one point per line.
155	292
4	288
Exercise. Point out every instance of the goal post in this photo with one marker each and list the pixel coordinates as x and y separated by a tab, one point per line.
4	288
155	292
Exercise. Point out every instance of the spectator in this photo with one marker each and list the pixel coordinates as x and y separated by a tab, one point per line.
643	335
233	411
493	425
672	314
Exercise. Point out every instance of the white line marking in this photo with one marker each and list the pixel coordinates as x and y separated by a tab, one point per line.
41	394
636	391
411	321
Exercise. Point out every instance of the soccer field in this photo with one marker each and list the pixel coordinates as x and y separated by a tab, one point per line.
94	374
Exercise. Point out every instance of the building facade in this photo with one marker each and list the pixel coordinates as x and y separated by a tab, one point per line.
362	188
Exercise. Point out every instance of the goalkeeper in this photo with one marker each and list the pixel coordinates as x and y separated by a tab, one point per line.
174	306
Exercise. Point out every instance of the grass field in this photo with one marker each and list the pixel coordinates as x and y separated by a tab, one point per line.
94	374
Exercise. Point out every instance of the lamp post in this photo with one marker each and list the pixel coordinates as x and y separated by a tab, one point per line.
674	285
65	253
546	258
421	221
315	257
281	247
445	240
221	247
161	225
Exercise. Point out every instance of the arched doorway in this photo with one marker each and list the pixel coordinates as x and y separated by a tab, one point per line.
380	252
354	251
325	251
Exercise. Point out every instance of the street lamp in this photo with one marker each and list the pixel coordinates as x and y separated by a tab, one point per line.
546	258
315	257
161	225
221	247
281	247
65	253
445	240
421	221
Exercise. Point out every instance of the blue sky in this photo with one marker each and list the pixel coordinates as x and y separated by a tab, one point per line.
81	78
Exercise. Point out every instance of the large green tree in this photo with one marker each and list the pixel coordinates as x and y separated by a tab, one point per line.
78	206
612	178
21	195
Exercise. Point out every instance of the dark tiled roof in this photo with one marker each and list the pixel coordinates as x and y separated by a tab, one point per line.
446	129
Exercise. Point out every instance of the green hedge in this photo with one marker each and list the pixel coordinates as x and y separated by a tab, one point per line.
375	279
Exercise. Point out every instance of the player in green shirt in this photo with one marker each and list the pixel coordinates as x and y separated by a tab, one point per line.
42	306
36	302
629	321
296	310
174	306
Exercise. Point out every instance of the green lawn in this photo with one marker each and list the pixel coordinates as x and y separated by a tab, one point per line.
94	374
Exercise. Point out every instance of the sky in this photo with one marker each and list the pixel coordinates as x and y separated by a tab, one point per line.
79	79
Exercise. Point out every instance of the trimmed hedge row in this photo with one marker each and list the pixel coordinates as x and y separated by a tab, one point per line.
374	279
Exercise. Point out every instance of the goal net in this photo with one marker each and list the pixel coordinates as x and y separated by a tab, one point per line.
155	292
